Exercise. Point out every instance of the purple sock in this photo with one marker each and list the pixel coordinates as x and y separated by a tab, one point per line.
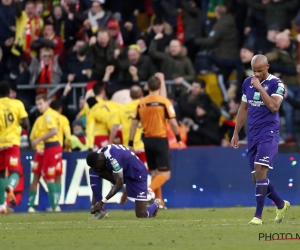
96	184
260	193
274	196
151	209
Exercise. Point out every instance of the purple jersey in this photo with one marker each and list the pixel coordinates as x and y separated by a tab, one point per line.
261	121
121	159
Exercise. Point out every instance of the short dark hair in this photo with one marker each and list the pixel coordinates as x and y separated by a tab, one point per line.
41	97
4	89
136	92
97	88
92	159
201	82
91	101
154	83
56	104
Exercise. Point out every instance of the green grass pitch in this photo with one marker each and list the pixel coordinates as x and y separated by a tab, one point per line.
212	228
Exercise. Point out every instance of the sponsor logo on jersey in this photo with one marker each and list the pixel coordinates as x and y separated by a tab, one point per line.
115	165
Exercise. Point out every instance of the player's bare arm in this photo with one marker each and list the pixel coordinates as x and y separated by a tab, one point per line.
45	137
240	120
113	133
119	181
272	102
175	129
133	127
24	123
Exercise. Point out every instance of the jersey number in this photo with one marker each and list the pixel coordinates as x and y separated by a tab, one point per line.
8	118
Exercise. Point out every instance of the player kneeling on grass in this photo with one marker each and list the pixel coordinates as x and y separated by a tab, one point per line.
125	167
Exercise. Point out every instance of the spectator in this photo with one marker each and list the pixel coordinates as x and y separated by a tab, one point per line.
188	102
7	30
223	40
39	9
49	40
123	33
97	17
277	12
256	29
104	50
78	139
78	68
246	54
65	25
160	27
229	121
74	9
46	70
175	64
28	28
136	67
188	25
287	54
205	130
141	41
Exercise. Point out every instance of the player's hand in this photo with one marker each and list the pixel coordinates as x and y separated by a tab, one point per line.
180	143
160	76
256	83
98	206
124	197
35	142
235	141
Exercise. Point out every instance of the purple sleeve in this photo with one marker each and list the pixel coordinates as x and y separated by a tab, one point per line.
96	184
277	88
113	159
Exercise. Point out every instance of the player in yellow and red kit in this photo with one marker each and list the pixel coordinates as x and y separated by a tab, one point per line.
52	158
12	115
36	132
103	122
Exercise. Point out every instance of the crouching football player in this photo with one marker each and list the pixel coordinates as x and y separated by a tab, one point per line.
125	167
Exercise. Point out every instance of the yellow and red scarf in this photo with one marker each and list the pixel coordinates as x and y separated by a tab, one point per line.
28	33
45	76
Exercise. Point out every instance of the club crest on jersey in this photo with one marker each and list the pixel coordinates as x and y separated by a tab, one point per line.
266	87
256	96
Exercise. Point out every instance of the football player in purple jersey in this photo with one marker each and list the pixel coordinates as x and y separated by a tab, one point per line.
261	100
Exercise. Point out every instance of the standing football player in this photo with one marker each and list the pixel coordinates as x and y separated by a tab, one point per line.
12	115
261	100
52	158
124	167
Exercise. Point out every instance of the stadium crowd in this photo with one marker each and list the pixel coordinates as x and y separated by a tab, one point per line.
112	45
